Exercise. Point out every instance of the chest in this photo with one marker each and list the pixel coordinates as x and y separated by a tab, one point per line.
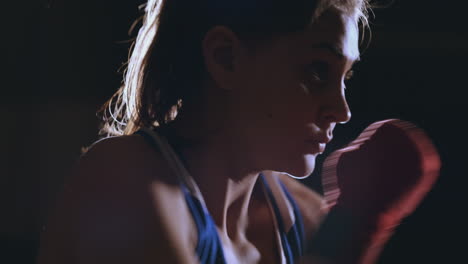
262	243
263	233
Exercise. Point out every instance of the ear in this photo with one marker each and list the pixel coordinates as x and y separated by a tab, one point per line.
221	51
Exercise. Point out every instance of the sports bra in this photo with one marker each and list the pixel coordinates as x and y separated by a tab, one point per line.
288	219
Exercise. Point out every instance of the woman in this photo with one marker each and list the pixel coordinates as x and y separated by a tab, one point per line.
222	102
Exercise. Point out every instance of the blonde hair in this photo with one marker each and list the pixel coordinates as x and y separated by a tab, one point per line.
153	90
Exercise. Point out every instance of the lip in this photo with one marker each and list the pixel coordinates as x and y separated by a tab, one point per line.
316	147
321	138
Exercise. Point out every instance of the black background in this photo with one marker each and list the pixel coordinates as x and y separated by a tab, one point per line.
61	59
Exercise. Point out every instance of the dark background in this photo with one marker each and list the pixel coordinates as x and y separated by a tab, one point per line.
62	59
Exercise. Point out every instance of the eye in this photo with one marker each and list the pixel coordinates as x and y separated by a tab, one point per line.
317	72
315	76
349	75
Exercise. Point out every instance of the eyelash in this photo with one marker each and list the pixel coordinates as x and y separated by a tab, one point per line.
306	86
349	75
317	76
317	72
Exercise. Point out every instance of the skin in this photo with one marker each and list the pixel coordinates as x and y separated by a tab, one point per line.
264	117
254	115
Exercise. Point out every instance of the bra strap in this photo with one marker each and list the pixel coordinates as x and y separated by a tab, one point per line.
174	161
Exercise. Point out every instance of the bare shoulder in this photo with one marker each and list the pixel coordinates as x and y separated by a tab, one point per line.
310	203
118	207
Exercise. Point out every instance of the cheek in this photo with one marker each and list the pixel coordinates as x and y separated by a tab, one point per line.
288	103
260	90
277	114
271	97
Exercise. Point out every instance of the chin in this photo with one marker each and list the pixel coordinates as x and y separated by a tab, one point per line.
301	169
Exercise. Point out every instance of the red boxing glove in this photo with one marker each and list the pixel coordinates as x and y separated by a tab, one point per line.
384	174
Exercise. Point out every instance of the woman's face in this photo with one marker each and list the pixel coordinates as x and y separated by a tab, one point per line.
292	94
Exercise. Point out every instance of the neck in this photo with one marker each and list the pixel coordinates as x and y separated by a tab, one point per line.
227	191
218	163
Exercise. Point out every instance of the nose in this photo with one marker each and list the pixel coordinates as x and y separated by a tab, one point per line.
336	108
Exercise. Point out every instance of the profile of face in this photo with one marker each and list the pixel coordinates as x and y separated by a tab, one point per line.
287	96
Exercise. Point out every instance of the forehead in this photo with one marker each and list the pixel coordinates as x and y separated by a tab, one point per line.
334	31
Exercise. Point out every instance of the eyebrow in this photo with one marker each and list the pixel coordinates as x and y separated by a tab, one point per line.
334	49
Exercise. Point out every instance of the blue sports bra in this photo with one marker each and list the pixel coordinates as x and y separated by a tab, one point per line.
209	248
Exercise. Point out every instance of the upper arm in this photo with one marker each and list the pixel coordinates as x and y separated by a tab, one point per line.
311	204
117	209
